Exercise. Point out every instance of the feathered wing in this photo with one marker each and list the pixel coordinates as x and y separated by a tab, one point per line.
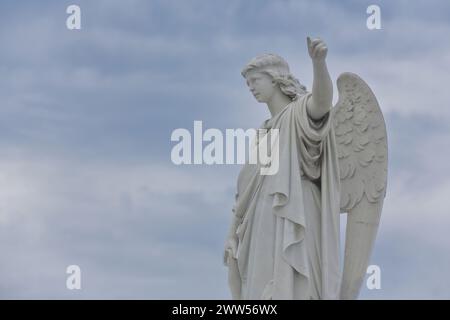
361	140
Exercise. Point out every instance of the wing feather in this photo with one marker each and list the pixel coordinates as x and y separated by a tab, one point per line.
362	142
362	152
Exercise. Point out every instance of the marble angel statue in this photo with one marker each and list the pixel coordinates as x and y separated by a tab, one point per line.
284	237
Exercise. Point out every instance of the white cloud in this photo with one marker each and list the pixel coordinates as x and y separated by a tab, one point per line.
155	229
59	212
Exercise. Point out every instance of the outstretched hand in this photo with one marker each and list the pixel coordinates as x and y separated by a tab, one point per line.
317	49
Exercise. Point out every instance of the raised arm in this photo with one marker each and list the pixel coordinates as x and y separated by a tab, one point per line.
322	89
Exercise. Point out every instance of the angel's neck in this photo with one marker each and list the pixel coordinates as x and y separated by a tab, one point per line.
278	102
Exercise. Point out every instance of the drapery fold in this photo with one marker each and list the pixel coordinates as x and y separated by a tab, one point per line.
307	162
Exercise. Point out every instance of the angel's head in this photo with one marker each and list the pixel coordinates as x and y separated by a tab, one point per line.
267	73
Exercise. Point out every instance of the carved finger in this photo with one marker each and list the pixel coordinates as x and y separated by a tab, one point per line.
315	43
310	49
319	49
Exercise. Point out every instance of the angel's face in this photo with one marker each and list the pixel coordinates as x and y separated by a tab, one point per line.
261	85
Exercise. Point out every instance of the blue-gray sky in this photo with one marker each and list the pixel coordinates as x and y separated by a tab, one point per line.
86	118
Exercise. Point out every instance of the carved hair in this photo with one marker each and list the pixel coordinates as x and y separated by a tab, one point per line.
276	67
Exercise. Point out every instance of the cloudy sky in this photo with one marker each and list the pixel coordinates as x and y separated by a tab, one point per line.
86	118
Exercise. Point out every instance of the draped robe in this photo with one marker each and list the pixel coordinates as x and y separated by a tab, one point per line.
288	222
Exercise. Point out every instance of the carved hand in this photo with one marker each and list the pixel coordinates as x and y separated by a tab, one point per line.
317	49
231	243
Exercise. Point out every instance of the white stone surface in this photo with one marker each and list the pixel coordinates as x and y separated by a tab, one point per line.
284	236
